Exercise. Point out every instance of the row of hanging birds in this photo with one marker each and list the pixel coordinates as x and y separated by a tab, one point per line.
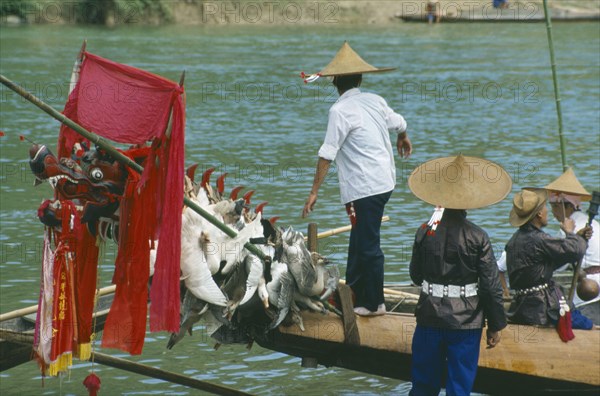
236	294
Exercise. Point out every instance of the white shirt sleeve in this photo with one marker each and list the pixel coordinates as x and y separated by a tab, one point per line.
395	122
338	129
502	262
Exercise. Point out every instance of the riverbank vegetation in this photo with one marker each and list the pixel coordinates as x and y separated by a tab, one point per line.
105	12
259	12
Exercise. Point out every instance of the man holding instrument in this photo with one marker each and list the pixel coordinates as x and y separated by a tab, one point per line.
566	195
358	140
531	258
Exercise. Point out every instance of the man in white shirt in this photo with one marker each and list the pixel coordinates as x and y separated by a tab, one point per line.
358	140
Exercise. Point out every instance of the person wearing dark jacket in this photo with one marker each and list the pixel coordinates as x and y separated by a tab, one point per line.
532	256
454	264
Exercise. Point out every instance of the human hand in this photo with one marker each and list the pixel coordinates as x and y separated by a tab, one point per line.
309	204
404	145
586	232
493	338
568	225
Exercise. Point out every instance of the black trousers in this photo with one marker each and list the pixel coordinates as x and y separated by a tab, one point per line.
364	270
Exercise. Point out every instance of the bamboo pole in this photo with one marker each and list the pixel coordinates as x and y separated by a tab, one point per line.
123	159
32	309
339	230
77	67
556	87
391	291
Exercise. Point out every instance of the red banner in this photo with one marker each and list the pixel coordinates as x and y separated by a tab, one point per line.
129	105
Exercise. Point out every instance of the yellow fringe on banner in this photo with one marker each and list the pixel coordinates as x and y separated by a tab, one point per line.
84	351
61	364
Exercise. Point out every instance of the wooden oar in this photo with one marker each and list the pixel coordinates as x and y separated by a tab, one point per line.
29	310
134	367
164	375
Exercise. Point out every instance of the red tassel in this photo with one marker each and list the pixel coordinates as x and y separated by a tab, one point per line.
92	383
570	326
1	133
564	327
21	137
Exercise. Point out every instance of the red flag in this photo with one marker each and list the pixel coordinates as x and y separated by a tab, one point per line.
129	105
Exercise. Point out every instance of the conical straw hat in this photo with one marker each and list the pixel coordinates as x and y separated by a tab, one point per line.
347	61
460	182
567	183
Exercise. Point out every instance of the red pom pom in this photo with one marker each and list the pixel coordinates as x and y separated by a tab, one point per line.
1	133
92	383
21	137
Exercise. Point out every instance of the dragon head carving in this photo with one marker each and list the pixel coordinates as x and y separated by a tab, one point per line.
90	178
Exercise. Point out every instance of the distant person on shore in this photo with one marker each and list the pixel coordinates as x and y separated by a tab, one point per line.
566	195
500	3
454	264
433	12
358	139
531	258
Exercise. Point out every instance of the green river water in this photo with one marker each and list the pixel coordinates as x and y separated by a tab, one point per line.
480	89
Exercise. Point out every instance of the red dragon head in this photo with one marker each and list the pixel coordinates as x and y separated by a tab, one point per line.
92	179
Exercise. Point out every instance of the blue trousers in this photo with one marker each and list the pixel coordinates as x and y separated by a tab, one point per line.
364	270
435	348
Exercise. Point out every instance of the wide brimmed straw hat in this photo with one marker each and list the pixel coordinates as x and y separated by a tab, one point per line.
460	182
526	204
568	184
347	61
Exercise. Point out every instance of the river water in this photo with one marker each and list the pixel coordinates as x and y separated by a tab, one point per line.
480	89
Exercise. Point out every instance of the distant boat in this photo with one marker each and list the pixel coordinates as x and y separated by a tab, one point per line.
527	12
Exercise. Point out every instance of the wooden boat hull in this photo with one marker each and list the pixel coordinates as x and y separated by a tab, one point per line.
528	359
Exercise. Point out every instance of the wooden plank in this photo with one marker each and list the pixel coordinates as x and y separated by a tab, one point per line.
351	334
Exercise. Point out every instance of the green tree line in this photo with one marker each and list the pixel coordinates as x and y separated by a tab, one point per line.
84	11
